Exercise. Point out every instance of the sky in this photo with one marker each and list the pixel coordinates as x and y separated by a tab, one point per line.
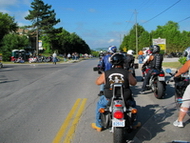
101	23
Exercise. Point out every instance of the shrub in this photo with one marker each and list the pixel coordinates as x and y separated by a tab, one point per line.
182	60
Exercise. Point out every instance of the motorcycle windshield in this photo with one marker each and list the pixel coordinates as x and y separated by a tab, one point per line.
159	128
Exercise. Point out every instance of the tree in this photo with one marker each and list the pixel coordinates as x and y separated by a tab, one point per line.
130	39
7	25
13	41
176	41
42	18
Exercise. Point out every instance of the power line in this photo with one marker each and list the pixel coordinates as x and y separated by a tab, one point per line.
163	11
184	19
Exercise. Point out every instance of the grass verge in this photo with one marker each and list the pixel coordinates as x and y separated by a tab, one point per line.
175	65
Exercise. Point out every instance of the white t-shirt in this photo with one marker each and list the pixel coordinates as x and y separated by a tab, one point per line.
54	55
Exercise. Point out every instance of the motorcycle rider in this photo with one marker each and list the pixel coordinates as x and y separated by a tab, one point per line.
117	74
130	60
186	53
155	63
101	54
106	65
185	105
145	63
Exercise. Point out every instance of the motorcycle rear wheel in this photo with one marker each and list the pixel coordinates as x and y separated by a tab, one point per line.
118	135
158	90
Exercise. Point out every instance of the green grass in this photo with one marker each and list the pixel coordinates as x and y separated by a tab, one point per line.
175	65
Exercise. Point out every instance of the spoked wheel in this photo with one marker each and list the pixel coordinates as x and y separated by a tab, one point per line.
158	89
118	135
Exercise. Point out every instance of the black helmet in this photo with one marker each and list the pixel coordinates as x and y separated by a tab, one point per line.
185	53
117	59
155	49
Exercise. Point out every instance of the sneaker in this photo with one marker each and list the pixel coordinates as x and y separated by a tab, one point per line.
142	92
99	129
178	124
101	93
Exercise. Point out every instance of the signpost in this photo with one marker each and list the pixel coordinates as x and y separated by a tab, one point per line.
160	42
1	57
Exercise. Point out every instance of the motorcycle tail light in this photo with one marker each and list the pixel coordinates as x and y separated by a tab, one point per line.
134	111
162	74
118	114
118	105
101	110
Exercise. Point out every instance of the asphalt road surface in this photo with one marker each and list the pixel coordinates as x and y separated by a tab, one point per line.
49	103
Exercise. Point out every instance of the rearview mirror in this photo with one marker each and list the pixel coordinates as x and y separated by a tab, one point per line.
168	70
95	68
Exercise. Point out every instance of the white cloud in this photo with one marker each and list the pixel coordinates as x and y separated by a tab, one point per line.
111	40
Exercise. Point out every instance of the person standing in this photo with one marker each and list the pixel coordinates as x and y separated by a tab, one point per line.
54	58
186	97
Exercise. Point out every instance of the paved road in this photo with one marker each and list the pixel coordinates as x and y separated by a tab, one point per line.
35	101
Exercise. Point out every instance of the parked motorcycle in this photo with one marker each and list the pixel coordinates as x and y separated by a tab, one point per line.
157	82
119	116
159	127
180	84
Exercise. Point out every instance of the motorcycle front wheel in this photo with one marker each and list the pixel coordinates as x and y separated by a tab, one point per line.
118	135
158	89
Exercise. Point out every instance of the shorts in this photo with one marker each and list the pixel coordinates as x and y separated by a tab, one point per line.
186	96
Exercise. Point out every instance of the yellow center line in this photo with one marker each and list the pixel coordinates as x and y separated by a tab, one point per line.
61	131
67	121
74	123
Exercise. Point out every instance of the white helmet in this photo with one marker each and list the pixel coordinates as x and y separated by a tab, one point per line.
186	53
112	49
130	52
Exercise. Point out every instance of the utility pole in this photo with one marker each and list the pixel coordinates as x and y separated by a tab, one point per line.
136	32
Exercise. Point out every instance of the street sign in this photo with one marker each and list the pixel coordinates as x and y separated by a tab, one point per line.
160	42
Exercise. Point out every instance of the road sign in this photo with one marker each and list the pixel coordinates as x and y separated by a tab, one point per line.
160	42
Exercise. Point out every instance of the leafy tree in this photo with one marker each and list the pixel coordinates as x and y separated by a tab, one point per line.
7	25
176	41
42	18
144	40
130	39
11	42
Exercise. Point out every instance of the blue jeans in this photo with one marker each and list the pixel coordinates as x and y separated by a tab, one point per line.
100	104
102	87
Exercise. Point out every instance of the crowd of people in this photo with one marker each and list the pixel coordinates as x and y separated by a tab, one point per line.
118	62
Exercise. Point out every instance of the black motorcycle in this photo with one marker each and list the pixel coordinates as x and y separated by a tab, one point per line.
118	116
180	84
157	83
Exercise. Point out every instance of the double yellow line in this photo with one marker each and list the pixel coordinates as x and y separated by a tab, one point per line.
74	116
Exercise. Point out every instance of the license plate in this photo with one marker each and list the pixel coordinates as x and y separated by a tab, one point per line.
161	78
118	123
